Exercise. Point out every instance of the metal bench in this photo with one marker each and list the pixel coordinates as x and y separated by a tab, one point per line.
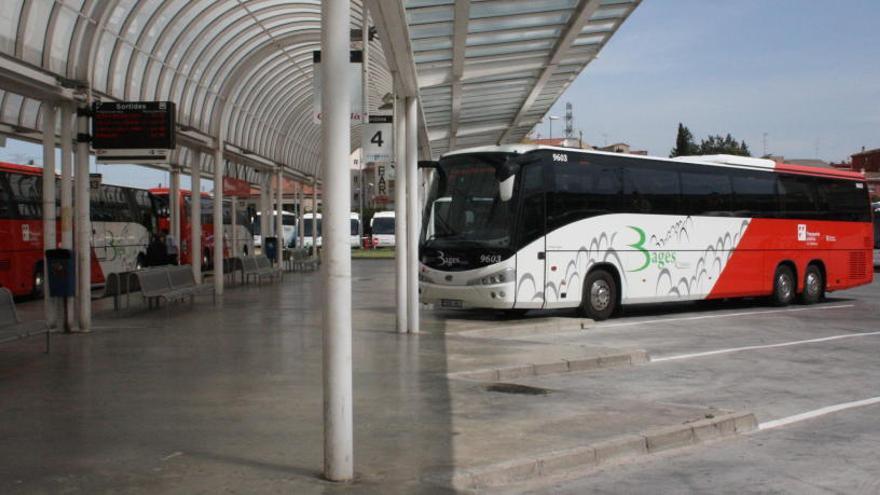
156	285
182	280
119	284
301	261
11	327
258	267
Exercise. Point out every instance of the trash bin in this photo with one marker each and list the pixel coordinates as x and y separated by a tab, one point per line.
62	272
270	248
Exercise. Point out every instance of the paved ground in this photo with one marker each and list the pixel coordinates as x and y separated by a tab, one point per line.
227	399
836	453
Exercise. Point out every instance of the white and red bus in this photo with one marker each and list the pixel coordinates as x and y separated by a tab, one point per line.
244	235
525	227
122	221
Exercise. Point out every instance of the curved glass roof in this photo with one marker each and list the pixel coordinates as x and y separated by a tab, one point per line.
487	70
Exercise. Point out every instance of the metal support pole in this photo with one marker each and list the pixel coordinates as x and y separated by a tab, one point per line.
234	220
315	231
300	212
49	241
400	238
83	225
174	206
67	197
335	142
195	218
264	210
279	224
218	218
412	217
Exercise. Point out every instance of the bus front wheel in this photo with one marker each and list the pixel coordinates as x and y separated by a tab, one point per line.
600	296
783	286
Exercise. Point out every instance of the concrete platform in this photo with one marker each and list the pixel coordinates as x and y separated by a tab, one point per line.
227	398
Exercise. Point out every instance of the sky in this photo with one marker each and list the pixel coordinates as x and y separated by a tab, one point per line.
805	72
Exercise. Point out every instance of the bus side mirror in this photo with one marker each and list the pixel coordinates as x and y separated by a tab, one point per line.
505	188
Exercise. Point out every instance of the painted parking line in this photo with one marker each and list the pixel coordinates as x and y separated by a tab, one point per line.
730	350
725	315
816	413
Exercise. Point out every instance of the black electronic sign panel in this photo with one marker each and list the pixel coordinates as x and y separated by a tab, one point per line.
134	125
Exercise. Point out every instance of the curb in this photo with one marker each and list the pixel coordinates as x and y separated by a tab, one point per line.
622	447
521	328
628	358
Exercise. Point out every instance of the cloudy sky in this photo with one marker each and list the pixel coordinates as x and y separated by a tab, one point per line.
806	72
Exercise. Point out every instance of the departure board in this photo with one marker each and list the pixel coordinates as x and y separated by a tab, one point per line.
133	125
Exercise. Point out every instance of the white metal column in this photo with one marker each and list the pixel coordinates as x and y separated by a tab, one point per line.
279	224
49	241
400	259
300	212
195	219
412	216
315	231
218	218
264	209
174	206
233	235
67	125
335	142
83	224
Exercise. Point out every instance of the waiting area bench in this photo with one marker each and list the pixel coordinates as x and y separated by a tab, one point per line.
258	268
170	283
299	259
121	284
11	327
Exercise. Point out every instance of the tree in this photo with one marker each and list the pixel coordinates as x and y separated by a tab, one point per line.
684	143
715	145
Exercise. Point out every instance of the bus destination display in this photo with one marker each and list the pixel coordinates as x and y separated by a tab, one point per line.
133	125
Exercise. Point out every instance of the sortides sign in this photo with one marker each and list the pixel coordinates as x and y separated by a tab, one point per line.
134	131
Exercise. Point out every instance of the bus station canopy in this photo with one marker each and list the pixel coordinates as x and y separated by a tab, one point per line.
484	71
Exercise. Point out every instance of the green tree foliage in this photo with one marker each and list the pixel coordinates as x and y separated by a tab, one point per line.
684	143
715	145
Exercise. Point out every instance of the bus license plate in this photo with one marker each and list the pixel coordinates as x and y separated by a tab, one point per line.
450	303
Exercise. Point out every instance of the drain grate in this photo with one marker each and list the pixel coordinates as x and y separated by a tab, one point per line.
513	388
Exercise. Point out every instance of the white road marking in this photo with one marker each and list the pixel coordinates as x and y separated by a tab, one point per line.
725	315
756	347
172	456
776	423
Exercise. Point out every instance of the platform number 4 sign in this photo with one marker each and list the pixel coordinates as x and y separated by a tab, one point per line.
378	143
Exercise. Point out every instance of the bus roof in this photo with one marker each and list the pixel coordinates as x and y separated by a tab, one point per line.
710	160
164	191
26	169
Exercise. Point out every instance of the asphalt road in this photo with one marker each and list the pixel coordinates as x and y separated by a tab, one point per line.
811	375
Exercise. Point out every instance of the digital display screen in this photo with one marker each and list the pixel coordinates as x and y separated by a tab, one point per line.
134	125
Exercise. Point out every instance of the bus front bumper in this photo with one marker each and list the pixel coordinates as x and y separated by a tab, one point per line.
498	296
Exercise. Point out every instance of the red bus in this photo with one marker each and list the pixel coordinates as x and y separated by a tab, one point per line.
245	237
122	221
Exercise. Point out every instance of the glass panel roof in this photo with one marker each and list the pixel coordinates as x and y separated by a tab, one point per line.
243	69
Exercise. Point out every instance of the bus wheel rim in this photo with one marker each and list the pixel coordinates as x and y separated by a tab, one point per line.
600	295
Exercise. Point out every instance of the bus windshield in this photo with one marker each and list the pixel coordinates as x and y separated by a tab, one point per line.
383	226
464	207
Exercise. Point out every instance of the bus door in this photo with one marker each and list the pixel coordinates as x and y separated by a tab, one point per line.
532	253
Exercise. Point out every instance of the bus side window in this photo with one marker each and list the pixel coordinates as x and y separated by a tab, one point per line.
532	210
6	211
798	195
651	189
706	193
754	194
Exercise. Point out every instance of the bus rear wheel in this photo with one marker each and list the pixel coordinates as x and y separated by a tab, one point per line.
783	286
600	296
814	286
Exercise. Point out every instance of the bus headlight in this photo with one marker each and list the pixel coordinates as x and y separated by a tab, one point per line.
506	275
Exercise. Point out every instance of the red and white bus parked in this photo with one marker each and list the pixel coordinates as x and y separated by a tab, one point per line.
243	225
122	221
526	227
